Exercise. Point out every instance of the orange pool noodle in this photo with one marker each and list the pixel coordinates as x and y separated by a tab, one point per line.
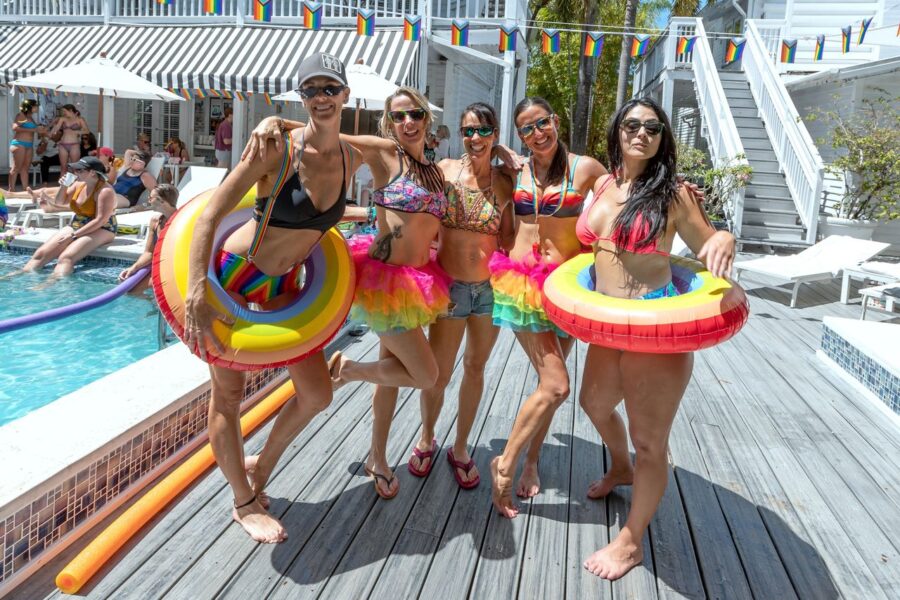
105	545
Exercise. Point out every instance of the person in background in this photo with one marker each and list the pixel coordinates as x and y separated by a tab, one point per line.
49	154
142	143
88	143
21	147
178	155
163	199
132	182
108	158
442	143
72	126
430	145
223	140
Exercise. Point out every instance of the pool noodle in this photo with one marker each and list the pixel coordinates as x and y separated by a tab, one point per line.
107	543
62	312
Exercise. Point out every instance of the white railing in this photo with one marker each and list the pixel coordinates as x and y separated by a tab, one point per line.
721	132
796	151
52	10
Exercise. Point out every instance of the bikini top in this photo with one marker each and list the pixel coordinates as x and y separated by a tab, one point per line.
563	203
405	194
635	234
289	206
471	209
76	126
27	124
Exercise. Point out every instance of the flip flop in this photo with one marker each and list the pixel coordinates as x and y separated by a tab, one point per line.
429	454
333	362
456	464
375	477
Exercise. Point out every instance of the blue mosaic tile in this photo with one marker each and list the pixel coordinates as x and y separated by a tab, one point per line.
875	377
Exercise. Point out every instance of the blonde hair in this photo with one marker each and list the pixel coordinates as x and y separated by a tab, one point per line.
386	126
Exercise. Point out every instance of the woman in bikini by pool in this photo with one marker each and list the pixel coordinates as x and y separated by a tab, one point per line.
72	126
21	147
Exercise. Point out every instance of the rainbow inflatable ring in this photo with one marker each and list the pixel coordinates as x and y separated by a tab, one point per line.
258	339
709	310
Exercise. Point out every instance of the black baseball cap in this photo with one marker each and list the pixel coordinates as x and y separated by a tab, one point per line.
321	65
89	163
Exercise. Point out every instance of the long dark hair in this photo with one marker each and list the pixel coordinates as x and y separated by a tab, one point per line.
654	191
560	163
27	105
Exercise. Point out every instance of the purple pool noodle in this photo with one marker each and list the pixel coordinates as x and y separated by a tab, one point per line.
64	311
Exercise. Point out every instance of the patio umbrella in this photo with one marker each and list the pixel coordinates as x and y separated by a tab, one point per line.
98	76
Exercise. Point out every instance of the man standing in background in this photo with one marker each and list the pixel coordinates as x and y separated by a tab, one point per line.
223	140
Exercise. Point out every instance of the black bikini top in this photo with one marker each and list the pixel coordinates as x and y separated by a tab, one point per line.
294	209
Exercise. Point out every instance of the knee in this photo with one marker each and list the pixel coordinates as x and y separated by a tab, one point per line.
317	399
426	375
650	448
555	389
474	366
64	263
442	381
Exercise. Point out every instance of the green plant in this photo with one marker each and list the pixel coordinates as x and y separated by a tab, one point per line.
717	182
868	142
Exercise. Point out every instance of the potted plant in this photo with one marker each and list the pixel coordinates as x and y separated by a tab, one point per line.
717	182
867	143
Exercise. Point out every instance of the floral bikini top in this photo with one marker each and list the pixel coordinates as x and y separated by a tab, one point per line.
472	209
412	192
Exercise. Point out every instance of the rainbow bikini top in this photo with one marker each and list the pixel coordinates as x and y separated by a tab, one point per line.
563	203
471	209
405	194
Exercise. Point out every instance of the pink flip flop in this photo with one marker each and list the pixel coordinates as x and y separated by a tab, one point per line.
429	454
456	464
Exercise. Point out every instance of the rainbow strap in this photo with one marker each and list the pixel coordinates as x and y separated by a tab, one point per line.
593	43
286	163
365	22
788	51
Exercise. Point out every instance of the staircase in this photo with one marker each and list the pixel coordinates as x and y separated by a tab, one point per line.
770	214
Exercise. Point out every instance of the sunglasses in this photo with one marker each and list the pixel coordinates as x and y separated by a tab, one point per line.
652	127
399	116
543	123
483	131
311	91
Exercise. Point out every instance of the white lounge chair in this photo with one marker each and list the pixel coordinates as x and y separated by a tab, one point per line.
824	260
194	182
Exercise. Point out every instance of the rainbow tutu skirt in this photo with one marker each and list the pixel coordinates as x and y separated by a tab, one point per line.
517	294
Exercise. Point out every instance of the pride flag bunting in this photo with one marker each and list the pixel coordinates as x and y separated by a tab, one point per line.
212	7
459	32
734	50
685	45
639	45
164	2
239	95
312	15
863	28
365	22
262	10
412	28
788	51
198	93
593	44
549	41
508	38
846	32
820	48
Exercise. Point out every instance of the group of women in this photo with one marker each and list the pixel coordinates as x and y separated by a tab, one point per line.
500	232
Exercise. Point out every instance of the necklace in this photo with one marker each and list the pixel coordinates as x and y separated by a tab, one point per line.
536	238
473	204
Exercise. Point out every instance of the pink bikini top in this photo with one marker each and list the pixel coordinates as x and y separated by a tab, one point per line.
587	236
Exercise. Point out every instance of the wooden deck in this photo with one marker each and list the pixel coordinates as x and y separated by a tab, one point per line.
784	483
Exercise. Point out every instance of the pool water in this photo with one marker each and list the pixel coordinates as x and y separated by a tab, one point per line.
47	361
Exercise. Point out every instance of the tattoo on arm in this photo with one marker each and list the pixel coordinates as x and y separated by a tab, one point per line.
382	250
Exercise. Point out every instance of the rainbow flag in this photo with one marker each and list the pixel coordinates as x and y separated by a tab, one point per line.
846	32
685	45
239	95
412	28
212	7
734	50
184	93
198	93
788	51
164	2
262	10
820	48
213	93
226	94
508	38
593	44
639	45
312	15
863	28
549	41
365	22
459	32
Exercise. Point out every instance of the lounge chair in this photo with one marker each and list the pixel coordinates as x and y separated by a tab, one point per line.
824	260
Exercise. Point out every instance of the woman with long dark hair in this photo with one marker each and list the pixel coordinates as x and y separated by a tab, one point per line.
21	147
72	126
630	225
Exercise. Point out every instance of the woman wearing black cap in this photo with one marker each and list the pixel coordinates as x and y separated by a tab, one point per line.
93	201
315	169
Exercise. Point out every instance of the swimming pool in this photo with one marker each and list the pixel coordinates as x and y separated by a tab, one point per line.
44	362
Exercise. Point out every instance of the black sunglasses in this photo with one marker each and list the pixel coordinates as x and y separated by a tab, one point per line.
542	124
653	127
311	91
483	131
398	116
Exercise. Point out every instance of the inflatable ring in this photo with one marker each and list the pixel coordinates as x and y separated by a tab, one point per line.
258	339
709	310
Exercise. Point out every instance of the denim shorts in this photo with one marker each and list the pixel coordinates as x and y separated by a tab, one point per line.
470	299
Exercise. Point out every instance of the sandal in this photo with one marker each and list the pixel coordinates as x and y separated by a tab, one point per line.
422	455
465	467
378	476
333	363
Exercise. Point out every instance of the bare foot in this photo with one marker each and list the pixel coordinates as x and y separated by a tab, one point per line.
529	483
602	487
335	364
259	525
250	466
501	491
619	557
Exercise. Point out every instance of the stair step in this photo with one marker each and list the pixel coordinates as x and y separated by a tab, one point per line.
737	111
764	165
747	102
733	84
768	203
773	233
752	133
761	176
757	144
767	217
732	76
753	122
763	188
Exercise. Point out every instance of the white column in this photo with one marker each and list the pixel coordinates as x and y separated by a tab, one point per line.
425	10
109	116
238	139
668	94
186	124
511	17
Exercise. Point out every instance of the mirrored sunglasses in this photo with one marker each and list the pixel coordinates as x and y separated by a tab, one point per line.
399	116
483	131
543	123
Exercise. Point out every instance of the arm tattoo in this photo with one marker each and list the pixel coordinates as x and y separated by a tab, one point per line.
382	250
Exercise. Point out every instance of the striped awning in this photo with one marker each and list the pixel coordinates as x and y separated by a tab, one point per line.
248	59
